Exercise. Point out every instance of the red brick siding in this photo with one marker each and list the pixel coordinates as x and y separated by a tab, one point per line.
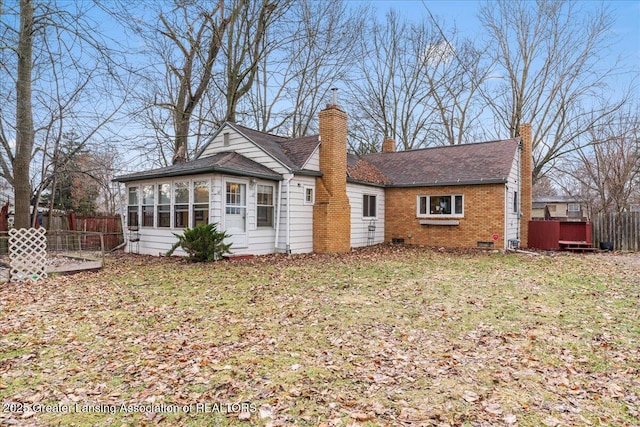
483	216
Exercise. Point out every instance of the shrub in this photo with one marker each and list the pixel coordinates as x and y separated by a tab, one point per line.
202	243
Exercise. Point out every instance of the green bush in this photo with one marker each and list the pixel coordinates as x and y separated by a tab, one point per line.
202	243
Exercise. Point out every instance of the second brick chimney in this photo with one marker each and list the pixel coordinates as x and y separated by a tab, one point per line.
388	145
332	211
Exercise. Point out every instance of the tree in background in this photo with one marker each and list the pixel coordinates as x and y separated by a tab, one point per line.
57	74
313	47
417	85
547	55
606	172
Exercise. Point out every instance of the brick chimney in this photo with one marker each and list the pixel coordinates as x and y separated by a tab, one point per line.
331	211
526	172
388	145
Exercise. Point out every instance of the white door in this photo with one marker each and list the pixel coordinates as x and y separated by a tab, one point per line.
235	213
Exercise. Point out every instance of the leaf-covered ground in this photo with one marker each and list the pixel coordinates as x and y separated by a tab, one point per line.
383	336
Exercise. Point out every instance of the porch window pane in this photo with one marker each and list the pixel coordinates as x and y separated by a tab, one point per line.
181	204
200	203
164	205
133	207
147	205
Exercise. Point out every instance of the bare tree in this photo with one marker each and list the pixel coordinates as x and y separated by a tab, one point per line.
607	171
57	66
246	45
202	59
313	48
547	54
418	85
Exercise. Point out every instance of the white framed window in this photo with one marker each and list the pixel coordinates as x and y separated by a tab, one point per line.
309	196
441	205
515	201
200	203
133	207
574	207
164	205
148	205
265	205
369	206
181	204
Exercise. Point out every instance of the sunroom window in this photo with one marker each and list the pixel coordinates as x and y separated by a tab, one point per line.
164	205
200	203
181	204
147	205
133	205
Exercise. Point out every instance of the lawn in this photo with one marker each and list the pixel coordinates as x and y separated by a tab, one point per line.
385	336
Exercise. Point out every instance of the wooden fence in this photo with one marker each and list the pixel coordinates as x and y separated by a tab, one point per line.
623	230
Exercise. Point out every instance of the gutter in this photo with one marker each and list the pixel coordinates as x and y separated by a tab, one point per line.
278	211
448	183
196	171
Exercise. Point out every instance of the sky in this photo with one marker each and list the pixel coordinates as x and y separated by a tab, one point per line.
463	14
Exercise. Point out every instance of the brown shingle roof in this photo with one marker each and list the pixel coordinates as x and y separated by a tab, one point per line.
359	169
449	165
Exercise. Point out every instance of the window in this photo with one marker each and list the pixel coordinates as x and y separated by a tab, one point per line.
147	205
181	204
164	205
200	203
133	205
308	196
515	201
574	207
265	206
440	205
368	206
234	199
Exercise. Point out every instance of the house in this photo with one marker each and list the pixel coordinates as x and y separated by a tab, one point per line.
561	208
307	194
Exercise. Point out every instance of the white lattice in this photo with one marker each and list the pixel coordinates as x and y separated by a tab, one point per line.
27	253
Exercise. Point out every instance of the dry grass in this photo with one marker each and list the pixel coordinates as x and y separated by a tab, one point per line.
383	336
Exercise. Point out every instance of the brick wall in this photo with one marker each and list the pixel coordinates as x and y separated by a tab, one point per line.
483	216
331	211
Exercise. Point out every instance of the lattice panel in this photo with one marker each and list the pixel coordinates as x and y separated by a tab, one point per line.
27	253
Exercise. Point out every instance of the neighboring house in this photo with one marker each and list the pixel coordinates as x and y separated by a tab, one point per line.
274	194
561	208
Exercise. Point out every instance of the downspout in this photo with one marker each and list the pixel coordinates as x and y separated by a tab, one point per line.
505	216
288	247
278	211
519	213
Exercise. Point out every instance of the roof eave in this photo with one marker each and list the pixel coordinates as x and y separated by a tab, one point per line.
198	171
361	182
450	183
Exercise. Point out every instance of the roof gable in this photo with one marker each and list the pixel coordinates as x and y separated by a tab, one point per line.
291	153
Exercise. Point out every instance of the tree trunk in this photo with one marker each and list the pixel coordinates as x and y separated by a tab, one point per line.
24	118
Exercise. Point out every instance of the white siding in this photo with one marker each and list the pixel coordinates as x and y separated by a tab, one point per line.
301	216
512	219
313	162
360	225
240	145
